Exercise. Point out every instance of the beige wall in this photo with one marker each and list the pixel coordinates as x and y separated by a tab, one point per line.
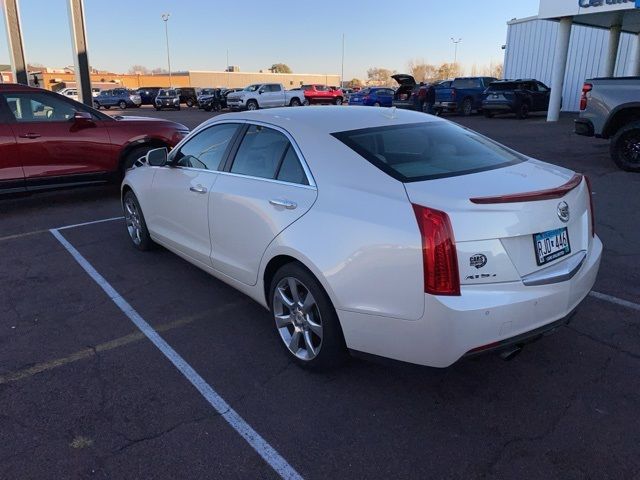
242	79
195	79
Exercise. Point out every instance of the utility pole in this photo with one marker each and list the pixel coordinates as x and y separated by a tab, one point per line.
342	68
455	54
165	18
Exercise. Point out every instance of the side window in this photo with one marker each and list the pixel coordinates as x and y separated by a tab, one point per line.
39	107
274	88
260	152
291	169
207	149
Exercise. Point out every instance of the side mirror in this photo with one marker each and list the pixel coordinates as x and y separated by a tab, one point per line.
260	92
157	157
82	117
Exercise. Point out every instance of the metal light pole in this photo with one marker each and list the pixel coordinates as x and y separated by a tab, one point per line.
342	67
455	54
228	84
165	18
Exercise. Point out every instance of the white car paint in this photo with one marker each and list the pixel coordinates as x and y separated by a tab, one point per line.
356	231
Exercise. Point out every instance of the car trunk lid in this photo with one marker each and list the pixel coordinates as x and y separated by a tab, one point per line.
504	238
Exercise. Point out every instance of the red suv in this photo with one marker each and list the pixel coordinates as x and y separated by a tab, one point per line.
49	141
322	94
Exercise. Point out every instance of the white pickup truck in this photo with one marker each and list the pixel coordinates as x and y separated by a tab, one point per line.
264	95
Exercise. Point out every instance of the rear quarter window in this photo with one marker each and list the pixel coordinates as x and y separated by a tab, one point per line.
426	151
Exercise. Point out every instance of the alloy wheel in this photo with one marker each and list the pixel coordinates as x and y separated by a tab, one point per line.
297	318
631	147
132	219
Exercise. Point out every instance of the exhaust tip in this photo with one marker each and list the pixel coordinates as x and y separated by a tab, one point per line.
511	353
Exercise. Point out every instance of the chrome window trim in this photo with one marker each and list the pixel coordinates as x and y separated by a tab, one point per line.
296	148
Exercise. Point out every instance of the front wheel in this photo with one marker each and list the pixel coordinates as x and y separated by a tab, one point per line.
523	111
189	103
136	225
377	104
122	104
625	147
107	107
305	319
488	114
252	105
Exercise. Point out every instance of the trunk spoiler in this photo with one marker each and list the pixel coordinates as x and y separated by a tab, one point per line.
536	196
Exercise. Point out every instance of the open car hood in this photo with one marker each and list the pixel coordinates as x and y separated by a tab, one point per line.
404	79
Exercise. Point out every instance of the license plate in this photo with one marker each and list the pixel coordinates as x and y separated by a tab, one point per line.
551	245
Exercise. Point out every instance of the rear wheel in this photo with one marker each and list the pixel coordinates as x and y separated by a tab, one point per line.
377	104
136	225
122	104
625	147
295	102
338	101
488	113
107	107
189	103
523	111
467	107
131	157
97	105
305	319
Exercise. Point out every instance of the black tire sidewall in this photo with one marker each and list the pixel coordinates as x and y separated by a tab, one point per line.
146	243
467	111
333	351
121	107
616	147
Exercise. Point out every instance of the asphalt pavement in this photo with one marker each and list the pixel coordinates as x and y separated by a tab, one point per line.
85	394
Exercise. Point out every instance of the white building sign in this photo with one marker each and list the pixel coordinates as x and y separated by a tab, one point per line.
567	8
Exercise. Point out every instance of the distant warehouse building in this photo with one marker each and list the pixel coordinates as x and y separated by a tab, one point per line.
576	40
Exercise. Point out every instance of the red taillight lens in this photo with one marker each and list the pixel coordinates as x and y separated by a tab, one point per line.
586	88
592	212
439	257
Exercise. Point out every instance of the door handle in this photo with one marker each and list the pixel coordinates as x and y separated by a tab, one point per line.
289	205
30	135
198	189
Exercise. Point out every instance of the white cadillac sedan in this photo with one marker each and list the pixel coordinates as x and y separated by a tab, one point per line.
392	233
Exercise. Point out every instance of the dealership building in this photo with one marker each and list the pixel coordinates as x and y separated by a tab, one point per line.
570	41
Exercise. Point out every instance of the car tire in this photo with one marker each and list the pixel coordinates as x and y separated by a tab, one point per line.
96	105
377	104
158	109
488	113
252	105
625	147
523	111
338	101
106	107
135	222
295	102
309	330
189	103
207	109
467	107
122	104
178	108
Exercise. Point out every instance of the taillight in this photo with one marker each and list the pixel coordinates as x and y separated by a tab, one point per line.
592	212
586	88
453	93
439	258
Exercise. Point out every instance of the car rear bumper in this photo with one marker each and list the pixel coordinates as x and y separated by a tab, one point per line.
482	318
497	107
446	105
407	105
583	126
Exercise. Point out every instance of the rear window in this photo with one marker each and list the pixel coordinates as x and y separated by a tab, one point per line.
467	83
502	86
426	151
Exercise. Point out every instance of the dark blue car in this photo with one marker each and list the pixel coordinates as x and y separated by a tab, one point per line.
373	97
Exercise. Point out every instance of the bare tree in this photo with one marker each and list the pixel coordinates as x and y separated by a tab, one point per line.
138	70
380	77
448	70
493	70
421	70
159	71
355	82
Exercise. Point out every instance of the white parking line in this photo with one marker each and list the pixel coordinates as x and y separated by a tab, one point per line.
88	223
259	444
616	300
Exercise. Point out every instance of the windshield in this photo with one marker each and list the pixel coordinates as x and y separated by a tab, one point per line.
207	91
167	93
252	88
425	151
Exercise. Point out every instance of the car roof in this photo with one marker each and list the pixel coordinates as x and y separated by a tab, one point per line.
328	119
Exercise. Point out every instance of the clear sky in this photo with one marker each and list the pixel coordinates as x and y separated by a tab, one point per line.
307	36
